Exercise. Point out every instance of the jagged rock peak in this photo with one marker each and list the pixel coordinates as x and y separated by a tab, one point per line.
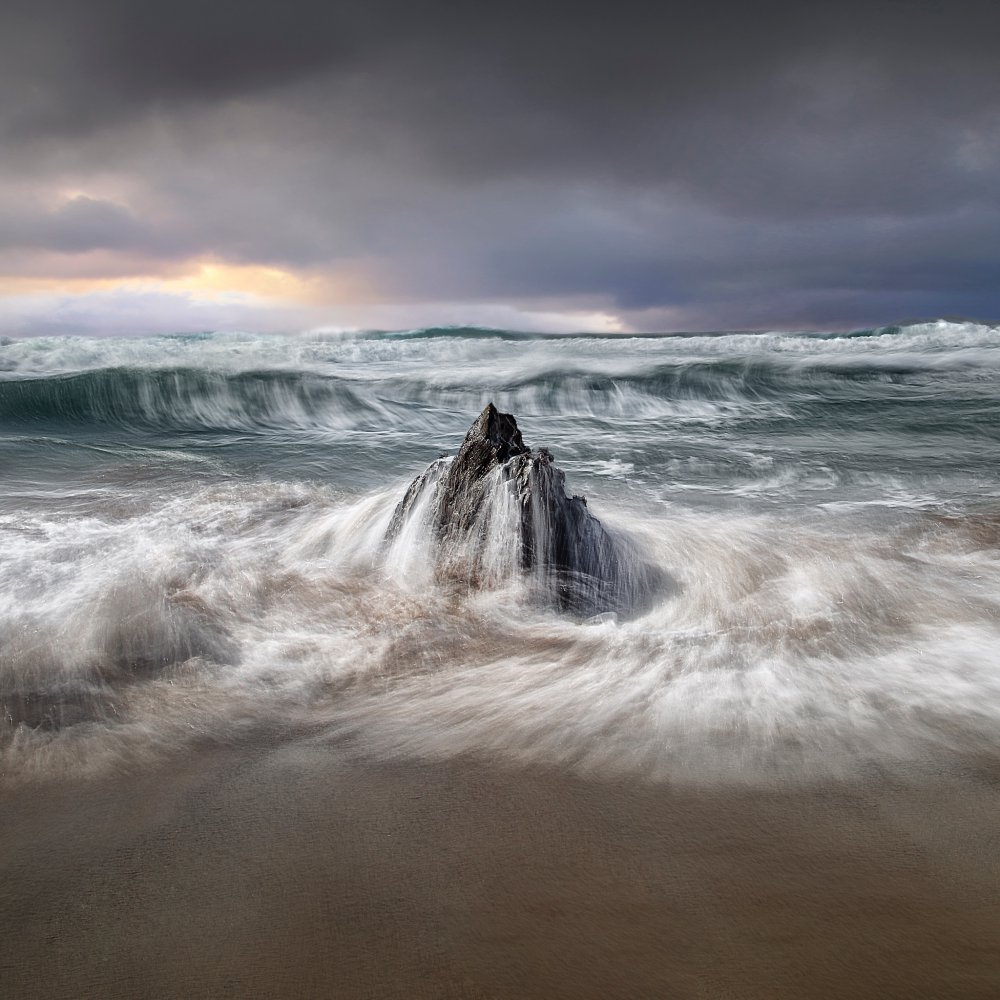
494	437
492	441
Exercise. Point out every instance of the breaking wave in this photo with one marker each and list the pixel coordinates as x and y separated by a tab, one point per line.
391	380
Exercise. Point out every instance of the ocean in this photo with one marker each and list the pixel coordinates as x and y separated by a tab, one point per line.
193	561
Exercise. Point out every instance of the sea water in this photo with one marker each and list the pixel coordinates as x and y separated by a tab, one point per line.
193	551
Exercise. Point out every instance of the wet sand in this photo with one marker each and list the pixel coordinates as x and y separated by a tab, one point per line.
302	871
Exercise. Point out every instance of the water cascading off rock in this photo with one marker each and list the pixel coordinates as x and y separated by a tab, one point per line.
500	510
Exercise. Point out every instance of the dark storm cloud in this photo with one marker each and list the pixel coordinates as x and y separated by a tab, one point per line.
78	225
803	162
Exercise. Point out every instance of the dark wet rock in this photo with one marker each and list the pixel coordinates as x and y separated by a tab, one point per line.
499	503
493	440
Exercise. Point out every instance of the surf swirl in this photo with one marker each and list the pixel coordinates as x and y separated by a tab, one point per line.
192	546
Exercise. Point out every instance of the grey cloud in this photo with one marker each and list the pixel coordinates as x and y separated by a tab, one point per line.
82	224
88	223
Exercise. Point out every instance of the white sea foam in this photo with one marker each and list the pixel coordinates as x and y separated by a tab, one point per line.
459	360
787	648
832	520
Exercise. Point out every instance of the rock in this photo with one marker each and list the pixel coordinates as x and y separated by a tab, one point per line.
499	509
492	441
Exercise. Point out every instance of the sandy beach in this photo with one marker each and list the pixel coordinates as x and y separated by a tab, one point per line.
303	871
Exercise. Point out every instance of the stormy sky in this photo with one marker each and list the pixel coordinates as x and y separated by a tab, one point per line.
547	165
